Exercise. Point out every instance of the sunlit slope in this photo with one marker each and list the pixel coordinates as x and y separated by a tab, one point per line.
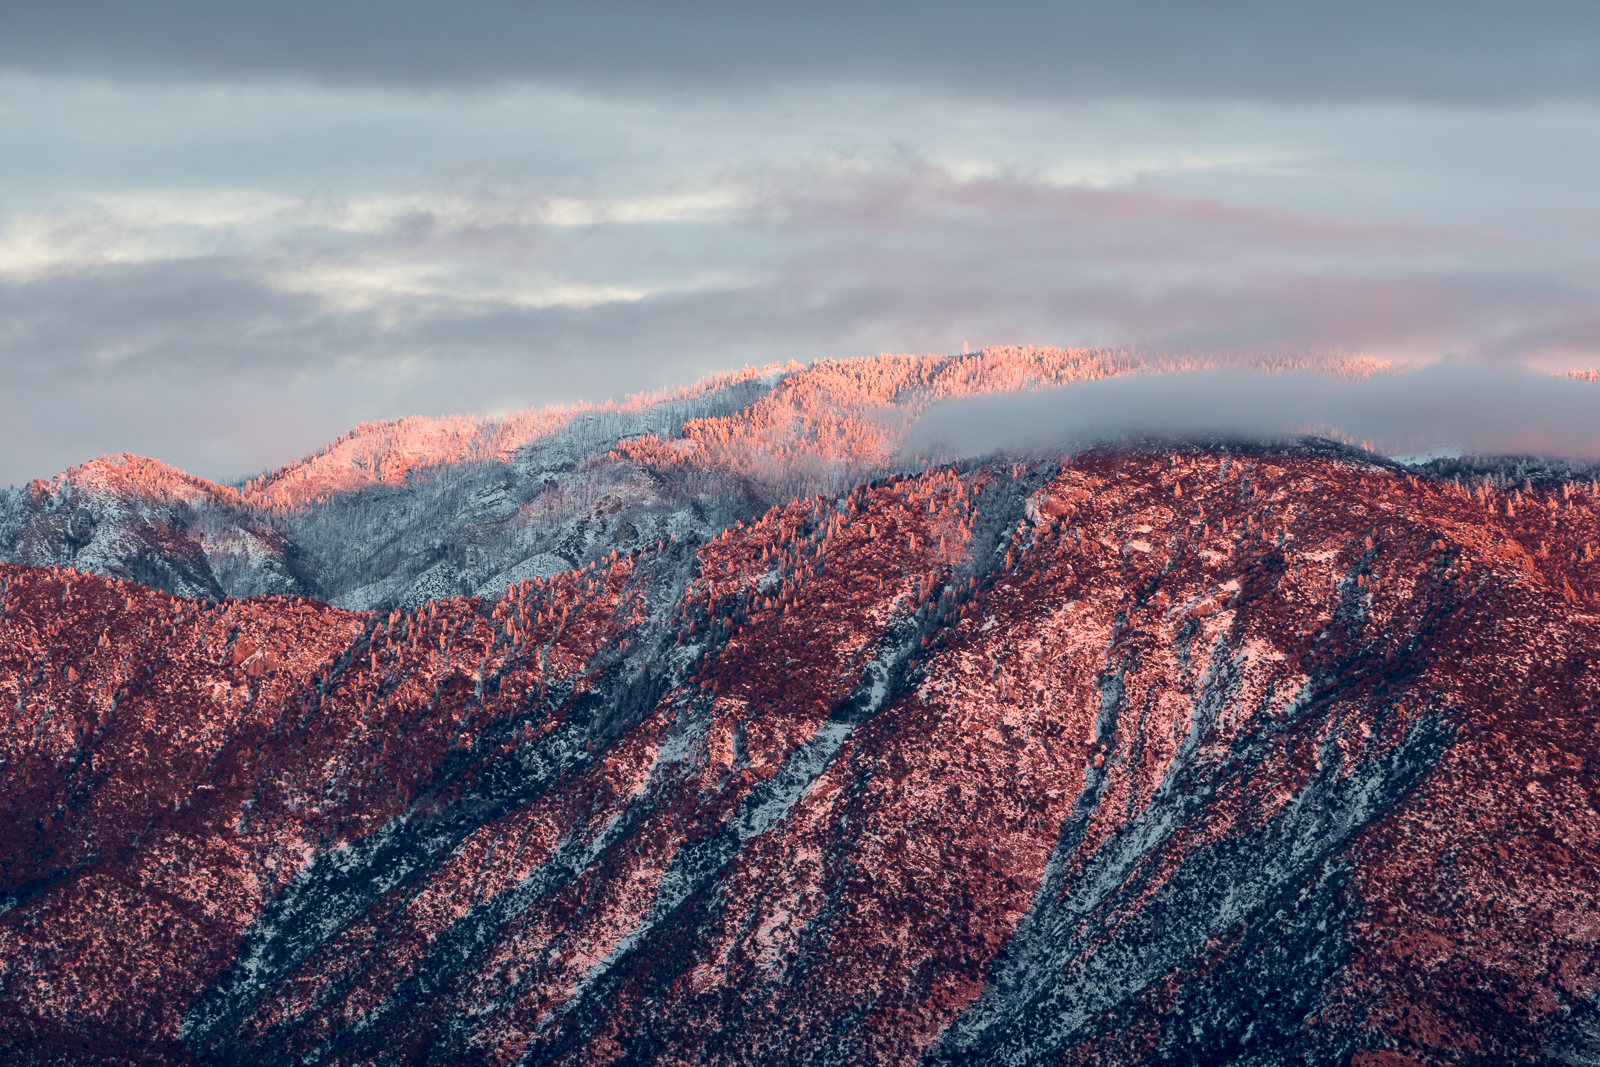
1207	756
399	513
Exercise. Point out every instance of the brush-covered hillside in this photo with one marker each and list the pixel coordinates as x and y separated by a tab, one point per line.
741	737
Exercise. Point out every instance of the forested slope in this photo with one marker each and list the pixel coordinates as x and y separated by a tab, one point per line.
1189	755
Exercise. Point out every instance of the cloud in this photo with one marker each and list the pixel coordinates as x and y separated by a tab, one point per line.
1452	405
1475	52
317	314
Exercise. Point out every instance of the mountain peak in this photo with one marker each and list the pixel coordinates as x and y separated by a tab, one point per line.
400	512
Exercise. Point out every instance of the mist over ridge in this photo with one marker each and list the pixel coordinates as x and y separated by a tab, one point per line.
904	409
1446	408
402	512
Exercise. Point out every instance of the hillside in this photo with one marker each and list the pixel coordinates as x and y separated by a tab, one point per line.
1188	755
395	514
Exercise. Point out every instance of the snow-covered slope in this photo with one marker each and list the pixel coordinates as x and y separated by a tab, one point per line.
133	518
391	514
398	513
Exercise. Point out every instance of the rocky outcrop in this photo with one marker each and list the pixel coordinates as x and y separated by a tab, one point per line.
1196	756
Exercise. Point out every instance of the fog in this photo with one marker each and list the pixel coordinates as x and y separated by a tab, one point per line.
1447	408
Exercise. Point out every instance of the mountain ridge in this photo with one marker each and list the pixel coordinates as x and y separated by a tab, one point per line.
398	513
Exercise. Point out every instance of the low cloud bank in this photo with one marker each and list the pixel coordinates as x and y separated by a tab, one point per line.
1448	406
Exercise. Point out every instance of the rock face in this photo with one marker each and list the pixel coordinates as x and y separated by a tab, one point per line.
1199	756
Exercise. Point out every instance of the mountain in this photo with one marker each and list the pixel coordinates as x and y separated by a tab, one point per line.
1223	754
395	514
134	518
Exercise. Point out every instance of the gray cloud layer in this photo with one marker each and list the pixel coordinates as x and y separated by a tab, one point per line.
478	302
228	232
1452	406
1363	50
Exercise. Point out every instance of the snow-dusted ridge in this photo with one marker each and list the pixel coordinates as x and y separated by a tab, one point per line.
403	513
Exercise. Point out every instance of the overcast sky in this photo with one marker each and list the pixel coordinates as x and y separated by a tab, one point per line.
228	232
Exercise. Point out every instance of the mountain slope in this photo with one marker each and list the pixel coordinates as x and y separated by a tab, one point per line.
394	514
137	519
1222	756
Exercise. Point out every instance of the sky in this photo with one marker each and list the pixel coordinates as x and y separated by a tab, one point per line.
230	232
